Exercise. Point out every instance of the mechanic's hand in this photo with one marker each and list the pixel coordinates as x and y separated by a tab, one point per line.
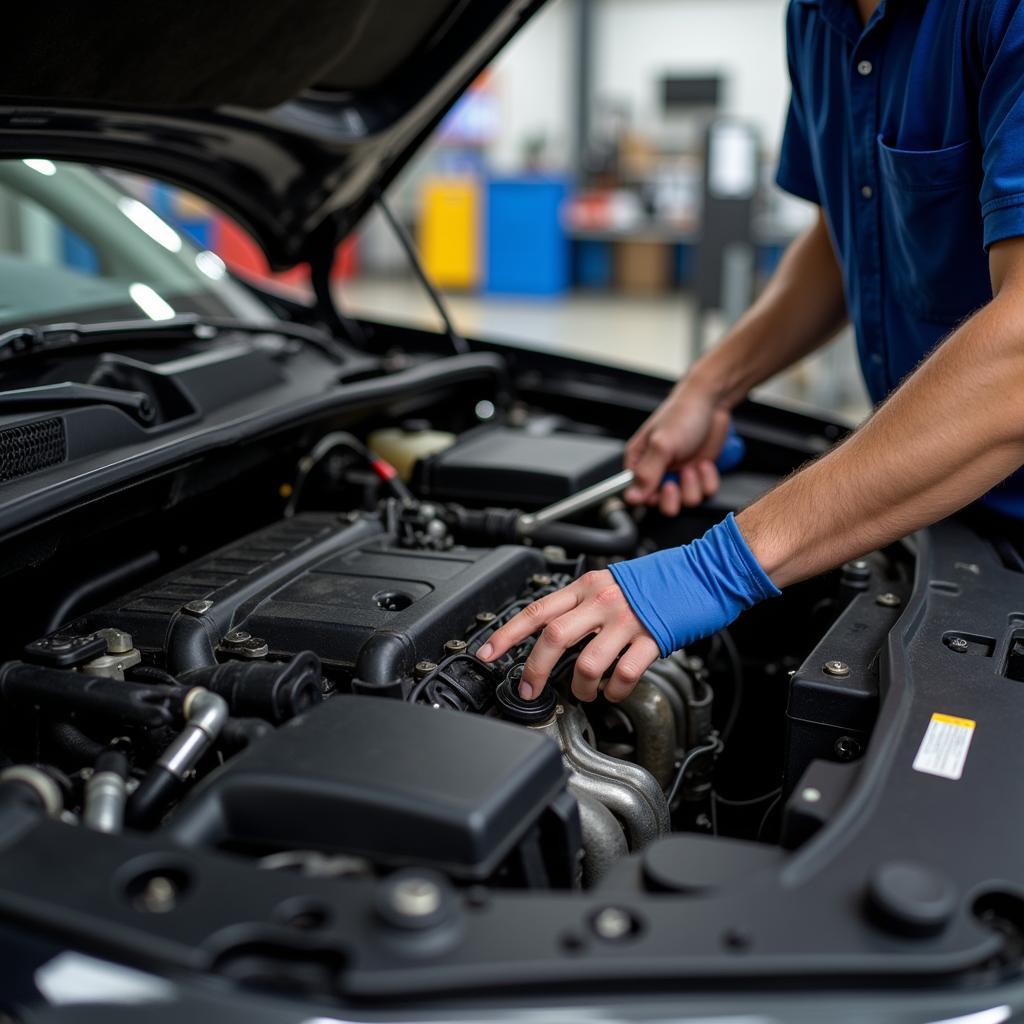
592	604
684	435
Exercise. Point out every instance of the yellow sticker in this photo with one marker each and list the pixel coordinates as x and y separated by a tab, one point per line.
944	748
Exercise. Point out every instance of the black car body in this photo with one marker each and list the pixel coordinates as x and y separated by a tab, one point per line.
252	770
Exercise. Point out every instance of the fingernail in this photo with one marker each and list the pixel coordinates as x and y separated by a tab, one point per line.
526	691
485	652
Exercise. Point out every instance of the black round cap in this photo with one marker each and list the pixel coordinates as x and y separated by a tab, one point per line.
526	712
911	898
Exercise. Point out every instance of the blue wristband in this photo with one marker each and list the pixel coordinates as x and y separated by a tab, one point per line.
683	594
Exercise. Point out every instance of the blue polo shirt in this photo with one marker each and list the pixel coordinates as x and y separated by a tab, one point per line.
909	133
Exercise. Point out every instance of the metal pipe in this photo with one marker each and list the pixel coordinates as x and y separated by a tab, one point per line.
579	502
654	726
206	714
106	793
604	842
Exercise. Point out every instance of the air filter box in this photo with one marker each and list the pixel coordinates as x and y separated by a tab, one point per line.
505	466
399	784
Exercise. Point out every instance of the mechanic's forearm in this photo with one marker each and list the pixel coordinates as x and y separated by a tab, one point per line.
951	432
801	308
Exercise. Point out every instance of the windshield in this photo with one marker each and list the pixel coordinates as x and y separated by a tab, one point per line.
75	247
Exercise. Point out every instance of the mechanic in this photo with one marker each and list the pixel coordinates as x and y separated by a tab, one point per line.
906	128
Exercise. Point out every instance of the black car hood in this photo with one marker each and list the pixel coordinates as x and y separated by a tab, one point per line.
290	116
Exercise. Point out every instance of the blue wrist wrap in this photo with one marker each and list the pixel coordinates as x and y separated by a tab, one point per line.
683	594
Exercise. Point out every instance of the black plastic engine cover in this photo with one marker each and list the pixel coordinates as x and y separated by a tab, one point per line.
504	466
342	589
391	781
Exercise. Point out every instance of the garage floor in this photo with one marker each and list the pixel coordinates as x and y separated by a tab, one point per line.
647	334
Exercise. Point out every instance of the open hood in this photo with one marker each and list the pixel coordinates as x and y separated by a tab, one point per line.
290	117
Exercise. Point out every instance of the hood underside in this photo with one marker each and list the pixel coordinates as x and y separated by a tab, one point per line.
290	117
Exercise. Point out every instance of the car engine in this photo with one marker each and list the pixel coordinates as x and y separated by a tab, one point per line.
308	696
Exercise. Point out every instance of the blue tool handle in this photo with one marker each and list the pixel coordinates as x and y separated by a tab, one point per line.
734	450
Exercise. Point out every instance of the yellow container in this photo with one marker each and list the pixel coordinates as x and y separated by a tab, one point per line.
449	232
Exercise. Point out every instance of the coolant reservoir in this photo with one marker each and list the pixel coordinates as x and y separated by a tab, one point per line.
404	446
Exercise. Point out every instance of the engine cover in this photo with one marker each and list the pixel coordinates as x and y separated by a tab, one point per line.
342	588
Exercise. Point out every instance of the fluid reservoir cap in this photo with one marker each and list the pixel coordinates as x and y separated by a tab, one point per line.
911	898
527	712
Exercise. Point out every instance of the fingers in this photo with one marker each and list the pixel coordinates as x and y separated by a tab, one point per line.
531	619
596	658
710	480
650	467
558	636
669	498
642	653
689	485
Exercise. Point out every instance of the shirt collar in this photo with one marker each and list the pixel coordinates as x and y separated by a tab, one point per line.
843	15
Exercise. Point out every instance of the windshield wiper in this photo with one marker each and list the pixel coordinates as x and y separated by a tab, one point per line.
69	395
26	341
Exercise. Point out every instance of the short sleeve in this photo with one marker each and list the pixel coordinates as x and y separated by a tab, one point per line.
1001	118
796	166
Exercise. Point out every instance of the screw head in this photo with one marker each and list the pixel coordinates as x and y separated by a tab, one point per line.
958	644
483	618
237	636
424	668
810	795
415	899
836	668
159	895
889	600
455	646
613	924
197	607
540	579
846	748
254	647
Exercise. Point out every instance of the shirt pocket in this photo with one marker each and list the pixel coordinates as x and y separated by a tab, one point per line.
933	252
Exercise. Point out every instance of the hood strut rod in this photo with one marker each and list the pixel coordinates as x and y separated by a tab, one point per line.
327	306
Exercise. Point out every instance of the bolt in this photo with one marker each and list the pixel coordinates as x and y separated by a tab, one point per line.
455	646
846	748
889	600
159	895
553	553
836	668
860	565
810	795
483	618
254	647
424	668
540	579
237	636
612	924
118	641
958	644
416	897
197	607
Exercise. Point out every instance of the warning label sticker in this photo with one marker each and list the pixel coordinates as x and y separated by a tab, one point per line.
943	750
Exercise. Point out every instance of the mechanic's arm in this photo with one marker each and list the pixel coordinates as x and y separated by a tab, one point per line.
951	432
800	309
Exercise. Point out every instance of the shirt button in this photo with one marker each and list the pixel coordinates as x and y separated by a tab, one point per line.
865	67
867	191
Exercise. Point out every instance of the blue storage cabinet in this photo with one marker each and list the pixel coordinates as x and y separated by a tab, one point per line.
528	251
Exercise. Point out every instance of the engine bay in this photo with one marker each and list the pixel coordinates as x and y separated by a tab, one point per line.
279	759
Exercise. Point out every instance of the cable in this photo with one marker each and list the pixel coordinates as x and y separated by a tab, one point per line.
342	439
732	653
458	342
684	765
749	802
767	815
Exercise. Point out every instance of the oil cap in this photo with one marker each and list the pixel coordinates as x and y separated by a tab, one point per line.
911	898
526	712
